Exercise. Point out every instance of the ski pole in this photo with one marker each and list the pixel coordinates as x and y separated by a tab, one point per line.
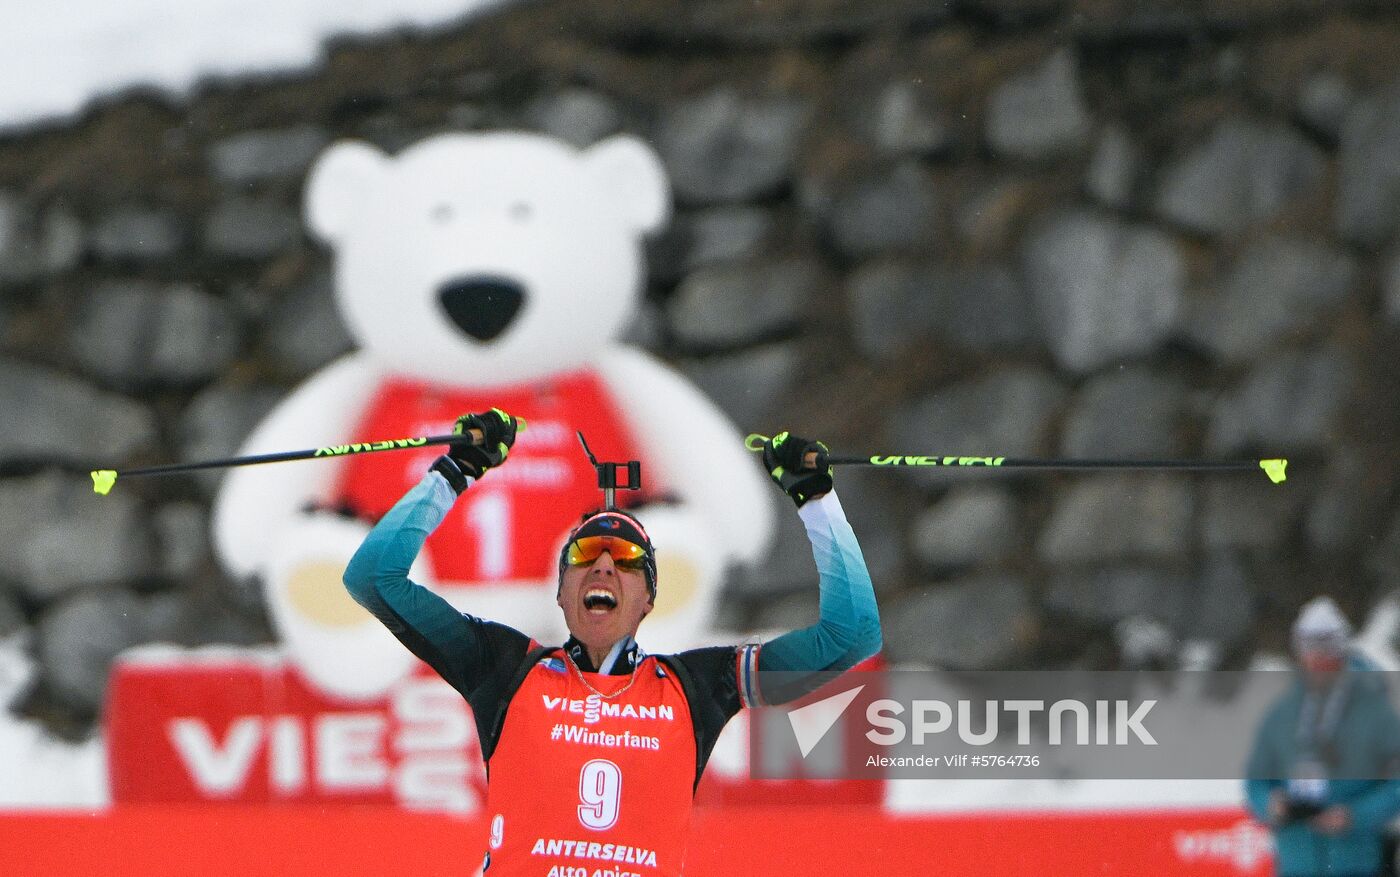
1274	468
103	479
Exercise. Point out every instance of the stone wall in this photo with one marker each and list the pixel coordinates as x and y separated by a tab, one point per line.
1024	227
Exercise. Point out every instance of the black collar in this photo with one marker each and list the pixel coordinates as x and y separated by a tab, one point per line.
625	663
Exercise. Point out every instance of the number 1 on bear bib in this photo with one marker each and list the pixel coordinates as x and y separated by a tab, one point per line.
489	519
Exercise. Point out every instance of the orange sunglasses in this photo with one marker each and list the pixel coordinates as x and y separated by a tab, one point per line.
628	555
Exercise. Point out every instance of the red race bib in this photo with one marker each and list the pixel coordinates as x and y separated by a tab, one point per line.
592	776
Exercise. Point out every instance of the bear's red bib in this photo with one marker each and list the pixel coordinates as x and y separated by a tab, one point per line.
508	525
592	772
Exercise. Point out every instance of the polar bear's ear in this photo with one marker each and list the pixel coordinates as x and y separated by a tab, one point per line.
631	171
337	184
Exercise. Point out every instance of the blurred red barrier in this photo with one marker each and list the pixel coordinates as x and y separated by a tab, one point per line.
243	841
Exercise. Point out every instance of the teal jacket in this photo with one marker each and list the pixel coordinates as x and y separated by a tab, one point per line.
1367	755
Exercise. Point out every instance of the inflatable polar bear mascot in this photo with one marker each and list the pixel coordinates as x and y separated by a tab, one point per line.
480	270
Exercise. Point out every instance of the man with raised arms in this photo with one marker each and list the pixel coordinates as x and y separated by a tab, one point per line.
594	748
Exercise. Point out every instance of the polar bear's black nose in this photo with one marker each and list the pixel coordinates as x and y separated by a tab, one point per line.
482	306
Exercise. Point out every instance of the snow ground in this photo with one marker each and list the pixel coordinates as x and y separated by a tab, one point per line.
56	57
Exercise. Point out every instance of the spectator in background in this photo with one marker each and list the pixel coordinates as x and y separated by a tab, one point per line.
1323	771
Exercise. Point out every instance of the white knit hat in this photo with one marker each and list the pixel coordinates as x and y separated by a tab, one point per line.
1321	623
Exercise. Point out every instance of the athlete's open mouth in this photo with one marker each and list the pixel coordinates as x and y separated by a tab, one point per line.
599	601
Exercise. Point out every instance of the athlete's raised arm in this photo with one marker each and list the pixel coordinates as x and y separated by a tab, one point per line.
848	629
461	648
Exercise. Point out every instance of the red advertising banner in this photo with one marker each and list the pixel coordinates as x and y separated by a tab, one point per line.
240	729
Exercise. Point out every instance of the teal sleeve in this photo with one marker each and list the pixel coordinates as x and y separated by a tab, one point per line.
848	628
454	644
1374	810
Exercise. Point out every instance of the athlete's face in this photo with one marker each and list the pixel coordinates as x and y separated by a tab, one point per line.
603	602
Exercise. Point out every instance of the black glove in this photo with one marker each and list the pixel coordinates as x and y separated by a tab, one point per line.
464	458
783	455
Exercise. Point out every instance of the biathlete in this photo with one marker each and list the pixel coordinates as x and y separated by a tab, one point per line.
594	748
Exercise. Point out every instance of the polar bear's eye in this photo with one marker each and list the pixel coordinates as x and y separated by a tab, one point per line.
441	212
520	211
